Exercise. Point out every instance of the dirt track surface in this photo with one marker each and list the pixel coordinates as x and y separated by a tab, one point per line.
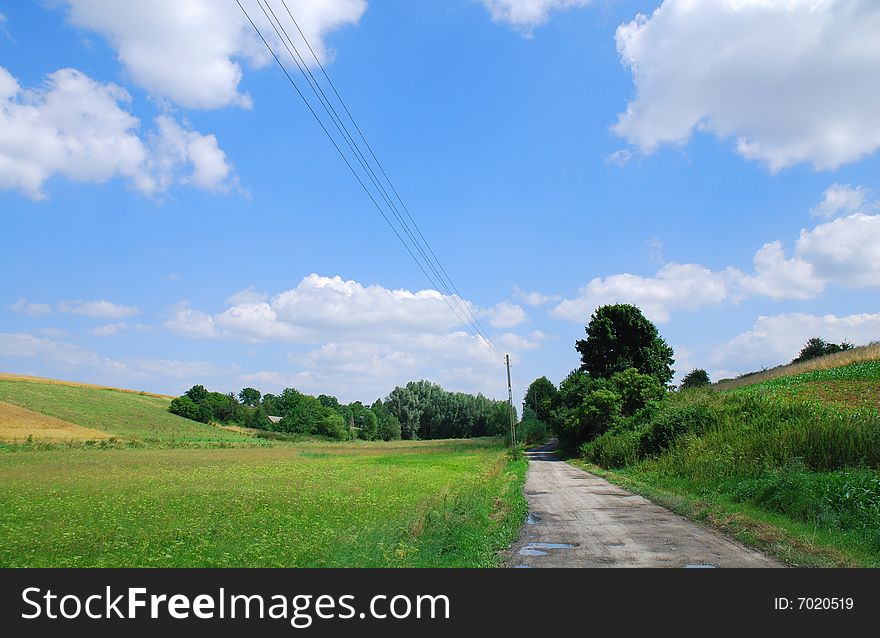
578	519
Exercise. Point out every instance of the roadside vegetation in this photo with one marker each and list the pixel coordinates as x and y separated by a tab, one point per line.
789	464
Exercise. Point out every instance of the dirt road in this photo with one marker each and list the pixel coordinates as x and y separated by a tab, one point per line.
578	519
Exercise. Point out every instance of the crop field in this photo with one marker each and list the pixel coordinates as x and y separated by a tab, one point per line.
21	425
439	503
853	386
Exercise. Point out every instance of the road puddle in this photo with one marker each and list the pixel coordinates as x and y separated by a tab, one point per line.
539	549
533	519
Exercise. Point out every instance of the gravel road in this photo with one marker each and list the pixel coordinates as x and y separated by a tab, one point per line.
578	519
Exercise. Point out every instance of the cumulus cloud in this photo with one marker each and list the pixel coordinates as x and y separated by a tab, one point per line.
774	340
840	199
527	14
675	286
191	51
320	306
506	315
844	252
78	128
361	339
533	298
791	81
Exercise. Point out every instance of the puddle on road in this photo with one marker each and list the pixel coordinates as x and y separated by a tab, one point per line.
538	549
533	519
701	566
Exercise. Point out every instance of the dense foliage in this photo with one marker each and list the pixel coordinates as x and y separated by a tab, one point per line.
619	337
419	410
818	347
427	411
697	378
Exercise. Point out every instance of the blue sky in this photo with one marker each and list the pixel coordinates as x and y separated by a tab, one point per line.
172	214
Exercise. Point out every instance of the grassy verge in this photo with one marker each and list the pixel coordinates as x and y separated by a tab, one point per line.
791	542
443	503
769	464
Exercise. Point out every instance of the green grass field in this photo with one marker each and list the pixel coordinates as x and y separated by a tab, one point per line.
161	498
789	464
126	415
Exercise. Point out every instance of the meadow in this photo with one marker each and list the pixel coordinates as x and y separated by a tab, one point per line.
110	478
789	464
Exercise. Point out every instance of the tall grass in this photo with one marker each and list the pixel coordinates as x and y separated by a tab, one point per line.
870	352
806	461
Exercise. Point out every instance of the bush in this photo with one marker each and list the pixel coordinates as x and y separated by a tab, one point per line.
613	449
697	378
636	390
690	418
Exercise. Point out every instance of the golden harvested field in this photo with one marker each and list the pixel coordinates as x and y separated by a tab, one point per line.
17	424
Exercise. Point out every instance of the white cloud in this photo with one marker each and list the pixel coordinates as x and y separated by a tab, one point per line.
533	298
527	14
32	309
180	155
675	286
191	323
321	306
113	329
362	339
774	340
506	315
519	343
845	250
840	199
791	81
190	51
777	276
102	308
620	157
78	128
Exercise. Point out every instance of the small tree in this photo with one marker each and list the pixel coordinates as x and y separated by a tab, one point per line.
697	378
619	337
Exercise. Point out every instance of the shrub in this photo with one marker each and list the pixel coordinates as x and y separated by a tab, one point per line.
613	449
697	378
636	390
690	418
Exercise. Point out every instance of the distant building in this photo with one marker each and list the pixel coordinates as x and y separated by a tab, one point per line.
275	419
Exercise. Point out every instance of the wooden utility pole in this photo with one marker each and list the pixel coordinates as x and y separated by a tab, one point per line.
510	402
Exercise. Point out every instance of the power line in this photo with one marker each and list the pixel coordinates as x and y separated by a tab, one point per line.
484	340
382	169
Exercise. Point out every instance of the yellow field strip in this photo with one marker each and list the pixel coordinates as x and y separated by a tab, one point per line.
17	424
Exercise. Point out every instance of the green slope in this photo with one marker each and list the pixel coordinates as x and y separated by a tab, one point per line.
123	414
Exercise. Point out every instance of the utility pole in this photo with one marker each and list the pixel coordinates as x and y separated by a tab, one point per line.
510	402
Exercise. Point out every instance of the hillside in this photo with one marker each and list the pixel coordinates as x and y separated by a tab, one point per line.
56	411
789	464
863	354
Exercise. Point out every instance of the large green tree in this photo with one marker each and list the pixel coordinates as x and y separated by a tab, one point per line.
619	337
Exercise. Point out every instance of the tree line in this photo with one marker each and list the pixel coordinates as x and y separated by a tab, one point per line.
418	410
